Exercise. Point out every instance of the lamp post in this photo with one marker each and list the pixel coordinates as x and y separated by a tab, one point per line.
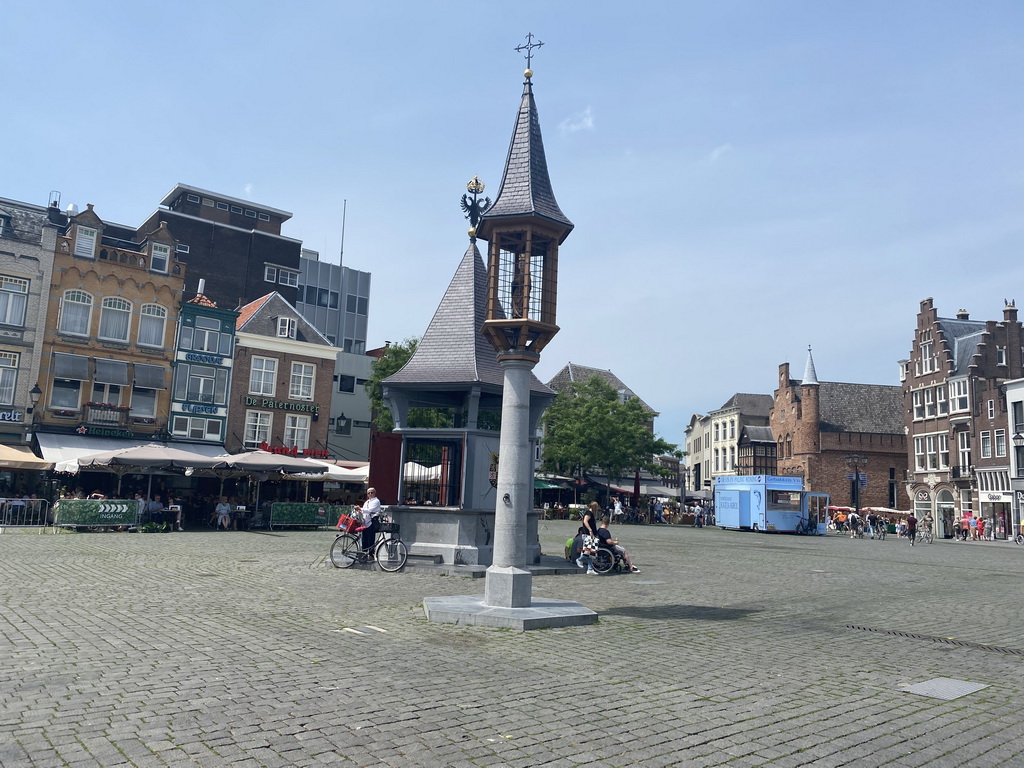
1018	454
855	462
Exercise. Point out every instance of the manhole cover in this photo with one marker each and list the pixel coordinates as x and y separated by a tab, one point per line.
945	688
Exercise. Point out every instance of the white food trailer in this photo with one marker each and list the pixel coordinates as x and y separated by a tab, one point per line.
767	503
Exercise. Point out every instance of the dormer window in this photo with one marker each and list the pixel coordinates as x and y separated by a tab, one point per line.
5	223
161	255
286	327
85	242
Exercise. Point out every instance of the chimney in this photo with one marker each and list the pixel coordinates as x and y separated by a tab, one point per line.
1010	312
962	314
202	285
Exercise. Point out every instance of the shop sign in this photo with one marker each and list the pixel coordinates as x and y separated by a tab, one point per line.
103	431
265	402
923	496
11	415
196	357
211	410
314	453
996	497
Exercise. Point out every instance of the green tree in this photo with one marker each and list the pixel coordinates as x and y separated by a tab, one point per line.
589	427
393	360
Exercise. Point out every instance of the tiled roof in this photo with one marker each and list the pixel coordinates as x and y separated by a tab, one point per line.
453	350
574	373
870	408
759	434
750	405
526	187
202	301
260	317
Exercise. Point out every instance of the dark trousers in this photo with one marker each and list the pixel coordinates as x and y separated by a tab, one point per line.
369	534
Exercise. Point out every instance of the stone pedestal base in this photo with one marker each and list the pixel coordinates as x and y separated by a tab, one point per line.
543	613
508	587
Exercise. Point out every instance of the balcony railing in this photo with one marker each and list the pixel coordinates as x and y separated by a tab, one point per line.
106	415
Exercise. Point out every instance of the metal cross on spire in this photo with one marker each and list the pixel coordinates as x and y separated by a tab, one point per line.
528	46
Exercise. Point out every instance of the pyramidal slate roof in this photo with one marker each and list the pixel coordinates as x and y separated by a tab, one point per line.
526	187
870	408
453	350
750	405
574	372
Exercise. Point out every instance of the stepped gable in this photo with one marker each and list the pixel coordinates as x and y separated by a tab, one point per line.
962	339
526	186
868	408
453	350
575	373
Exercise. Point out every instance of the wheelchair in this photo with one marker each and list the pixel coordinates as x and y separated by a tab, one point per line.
609	560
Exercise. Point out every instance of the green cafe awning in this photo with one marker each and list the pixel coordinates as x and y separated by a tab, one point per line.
542	485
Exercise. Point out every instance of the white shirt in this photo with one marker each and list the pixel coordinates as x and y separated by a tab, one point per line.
370	510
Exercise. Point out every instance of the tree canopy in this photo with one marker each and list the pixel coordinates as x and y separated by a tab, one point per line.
590	427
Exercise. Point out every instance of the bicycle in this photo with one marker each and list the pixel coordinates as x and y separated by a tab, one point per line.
389	551
1019	538
806	527
924	536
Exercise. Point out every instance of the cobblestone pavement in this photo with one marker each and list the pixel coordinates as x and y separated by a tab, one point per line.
218	649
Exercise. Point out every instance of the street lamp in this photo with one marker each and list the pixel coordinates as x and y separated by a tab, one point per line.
855	462
35	393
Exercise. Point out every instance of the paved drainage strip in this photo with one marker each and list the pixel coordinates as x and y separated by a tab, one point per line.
943	640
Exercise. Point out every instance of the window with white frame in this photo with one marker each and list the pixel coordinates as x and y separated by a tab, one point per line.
1018	417
963	447
296	432
262	376
8	376
1000	355
196	427
732	429
13	300
200	383
985	439
716	434
991	409
929	403
716	459
85	242
940	401
109	394
1000	435
206	336
286	327
152	322
270	274
927	352
958	401
115	318
303	375
75	313
257	427
290	279
160	257
943	440
918	400
66	393
920	459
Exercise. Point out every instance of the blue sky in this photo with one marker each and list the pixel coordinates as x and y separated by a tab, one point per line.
746	178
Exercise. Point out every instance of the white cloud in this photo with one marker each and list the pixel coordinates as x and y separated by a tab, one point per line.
584	121
247	189
719	151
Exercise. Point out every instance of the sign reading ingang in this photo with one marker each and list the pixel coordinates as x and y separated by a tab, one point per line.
87	513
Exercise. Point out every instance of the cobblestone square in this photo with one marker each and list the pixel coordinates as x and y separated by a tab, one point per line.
217	649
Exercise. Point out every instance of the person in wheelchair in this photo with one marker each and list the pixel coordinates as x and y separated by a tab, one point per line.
607	542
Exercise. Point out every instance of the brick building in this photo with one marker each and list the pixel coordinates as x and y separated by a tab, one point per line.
955	414
818	425
115	292
283	379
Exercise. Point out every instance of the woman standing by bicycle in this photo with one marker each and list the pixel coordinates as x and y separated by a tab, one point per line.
370	512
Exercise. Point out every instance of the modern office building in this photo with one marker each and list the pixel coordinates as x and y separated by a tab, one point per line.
335	299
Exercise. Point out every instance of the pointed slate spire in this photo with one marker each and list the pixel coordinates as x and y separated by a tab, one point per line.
526	187
810	375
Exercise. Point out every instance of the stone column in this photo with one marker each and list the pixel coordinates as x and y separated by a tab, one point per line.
509	583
